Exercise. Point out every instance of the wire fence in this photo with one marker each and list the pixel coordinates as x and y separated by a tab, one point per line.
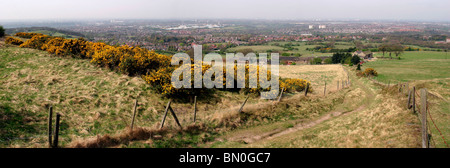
430	116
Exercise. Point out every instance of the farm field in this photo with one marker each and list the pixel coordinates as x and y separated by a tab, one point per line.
414	65
317	74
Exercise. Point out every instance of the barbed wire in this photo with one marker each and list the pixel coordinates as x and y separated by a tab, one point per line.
443	138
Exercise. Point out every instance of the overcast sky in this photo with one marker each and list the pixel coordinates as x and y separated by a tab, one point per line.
427	10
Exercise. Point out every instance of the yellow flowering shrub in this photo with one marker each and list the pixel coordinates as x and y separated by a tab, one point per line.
36	41
26	35
154	68
13	41
294	85
370	72
54	46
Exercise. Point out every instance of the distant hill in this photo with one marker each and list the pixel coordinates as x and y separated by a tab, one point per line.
46	30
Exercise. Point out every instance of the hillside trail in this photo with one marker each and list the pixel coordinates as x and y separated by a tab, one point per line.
367	101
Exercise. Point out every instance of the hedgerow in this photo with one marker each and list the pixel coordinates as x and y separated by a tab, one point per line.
154	68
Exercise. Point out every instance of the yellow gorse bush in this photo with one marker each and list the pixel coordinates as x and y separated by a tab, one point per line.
295	85
370	72
154	68
26	35
13	41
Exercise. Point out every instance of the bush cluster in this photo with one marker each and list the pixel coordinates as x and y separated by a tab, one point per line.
154	68
13	41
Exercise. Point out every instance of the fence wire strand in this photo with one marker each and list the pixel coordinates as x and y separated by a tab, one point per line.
443	138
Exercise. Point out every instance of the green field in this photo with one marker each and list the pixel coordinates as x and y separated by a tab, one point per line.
412	66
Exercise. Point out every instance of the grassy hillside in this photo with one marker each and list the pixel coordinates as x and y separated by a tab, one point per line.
91	100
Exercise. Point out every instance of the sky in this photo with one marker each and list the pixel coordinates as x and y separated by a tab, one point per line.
419	10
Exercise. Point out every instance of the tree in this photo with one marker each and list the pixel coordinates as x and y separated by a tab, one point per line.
316	61
340	57
2	31
383	48
328	61
355	60
397	49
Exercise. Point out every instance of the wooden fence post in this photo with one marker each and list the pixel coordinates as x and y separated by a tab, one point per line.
279	99
414	99
242	107
195	108
175	117
348	80
306	90
134	113
165	113
408	106
50	115
423	110
325	89
55	140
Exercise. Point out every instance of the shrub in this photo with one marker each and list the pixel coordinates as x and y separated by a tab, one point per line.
36	42
359	67
294	85
54	46
154	68
2	31
328	61
316	61
27	35
13	41
370	72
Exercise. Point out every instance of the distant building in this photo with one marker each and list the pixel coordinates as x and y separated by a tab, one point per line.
322	26
311	26
448	40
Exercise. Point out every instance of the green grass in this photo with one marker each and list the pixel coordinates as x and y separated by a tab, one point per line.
421	65
93	101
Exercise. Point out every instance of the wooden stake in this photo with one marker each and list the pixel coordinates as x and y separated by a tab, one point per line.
195	108
175	117
306	90
134	113
423	110
50	115
408	106
414	99
55	140
325	89
165	113
242	107
281	94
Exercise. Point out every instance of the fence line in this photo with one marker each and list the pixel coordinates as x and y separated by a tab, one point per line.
423	110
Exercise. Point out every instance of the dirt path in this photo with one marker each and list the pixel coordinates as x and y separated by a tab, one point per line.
369	96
